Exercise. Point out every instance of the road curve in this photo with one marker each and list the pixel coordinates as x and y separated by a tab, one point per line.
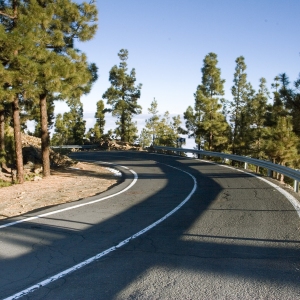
235	238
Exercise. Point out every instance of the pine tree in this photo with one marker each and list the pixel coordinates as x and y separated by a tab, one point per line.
69	75
60	136
2	114
5	112
245	130
100	120
77	123
152	122
290	98
168	130
281	145
43	33
281	142
2	140
160	131
295	107
193	124
238	115
123	95
77	79
90	135
96	133
145	138
70	127
18	70
32	110
211	123
257	112
149	133
128	129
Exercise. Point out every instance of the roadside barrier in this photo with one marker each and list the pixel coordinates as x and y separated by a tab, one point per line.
291	173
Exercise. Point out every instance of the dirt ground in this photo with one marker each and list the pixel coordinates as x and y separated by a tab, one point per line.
64	185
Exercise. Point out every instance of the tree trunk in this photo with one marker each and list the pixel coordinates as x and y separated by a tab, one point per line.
44	135
18	141
281	178
2	141
123	127
281	175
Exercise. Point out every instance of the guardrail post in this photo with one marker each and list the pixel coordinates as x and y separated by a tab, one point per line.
296	186
245	165
269	173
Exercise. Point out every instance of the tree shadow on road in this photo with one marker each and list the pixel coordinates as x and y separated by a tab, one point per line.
194	240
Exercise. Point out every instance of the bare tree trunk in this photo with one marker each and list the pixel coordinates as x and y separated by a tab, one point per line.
123	127
2	141
44	135
281	178
281	175
18	141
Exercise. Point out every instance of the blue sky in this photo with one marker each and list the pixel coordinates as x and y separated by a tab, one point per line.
167	41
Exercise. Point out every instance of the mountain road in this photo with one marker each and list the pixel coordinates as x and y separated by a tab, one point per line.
175	228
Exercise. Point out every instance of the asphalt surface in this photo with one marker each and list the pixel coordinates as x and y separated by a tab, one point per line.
235	238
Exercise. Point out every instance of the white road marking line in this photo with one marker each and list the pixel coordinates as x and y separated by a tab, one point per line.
114	171
72	207
287	195
107	251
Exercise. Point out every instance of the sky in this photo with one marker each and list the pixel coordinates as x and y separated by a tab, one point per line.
167	41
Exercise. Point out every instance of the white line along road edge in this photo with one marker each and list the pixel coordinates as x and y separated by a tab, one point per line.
99	255
286	194
78	205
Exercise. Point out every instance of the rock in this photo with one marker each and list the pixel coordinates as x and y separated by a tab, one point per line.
37	178
5	177
28	140
31	154
38	169
6	170
14	175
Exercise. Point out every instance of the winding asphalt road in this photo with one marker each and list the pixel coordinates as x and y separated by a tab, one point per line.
221	234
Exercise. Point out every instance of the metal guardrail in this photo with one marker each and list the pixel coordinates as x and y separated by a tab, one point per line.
75	147
291	173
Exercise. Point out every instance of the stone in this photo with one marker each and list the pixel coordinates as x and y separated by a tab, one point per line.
37	178
38	169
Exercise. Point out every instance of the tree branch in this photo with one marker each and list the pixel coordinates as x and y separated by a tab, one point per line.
8	16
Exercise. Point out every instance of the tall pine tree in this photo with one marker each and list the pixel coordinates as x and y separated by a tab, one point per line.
257	114
100	120
18	69
152	122
238	114
123	97
70	127
211	123
47	45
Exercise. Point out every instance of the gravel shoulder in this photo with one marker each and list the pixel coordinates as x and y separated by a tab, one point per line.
64	185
